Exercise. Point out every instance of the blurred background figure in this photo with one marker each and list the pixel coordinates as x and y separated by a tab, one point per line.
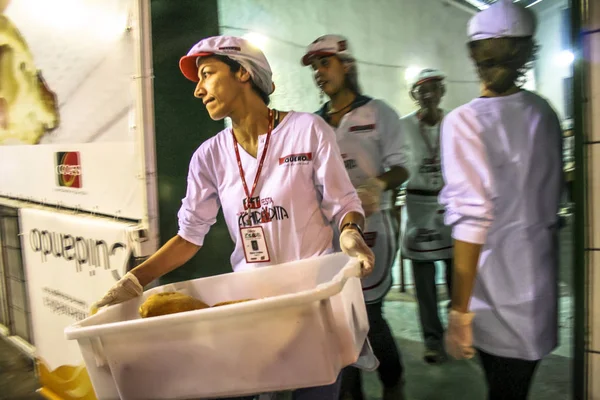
502	162
426	239
368	134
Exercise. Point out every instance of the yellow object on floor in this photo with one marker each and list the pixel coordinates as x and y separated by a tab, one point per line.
65	382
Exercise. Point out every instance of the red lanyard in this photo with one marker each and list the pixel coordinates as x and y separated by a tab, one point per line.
249	194
433	151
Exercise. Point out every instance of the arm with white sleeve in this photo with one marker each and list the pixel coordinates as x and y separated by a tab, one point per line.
394	150
467	197
197	214
340	203
393	158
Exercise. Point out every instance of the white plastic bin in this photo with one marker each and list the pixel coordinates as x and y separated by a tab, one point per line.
310	321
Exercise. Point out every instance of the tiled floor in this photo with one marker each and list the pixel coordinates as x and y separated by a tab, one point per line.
17	378
464	379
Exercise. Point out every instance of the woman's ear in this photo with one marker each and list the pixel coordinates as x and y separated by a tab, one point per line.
243	75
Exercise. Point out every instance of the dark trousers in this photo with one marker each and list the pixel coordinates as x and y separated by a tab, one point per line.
507	378
390	365
427	298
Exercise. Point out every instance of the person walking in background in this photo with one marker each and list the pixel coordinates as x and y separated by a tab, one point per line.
502	163
426	239
371	143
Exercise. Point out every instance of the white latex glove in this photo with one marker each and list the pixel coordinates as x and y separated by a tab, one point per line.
127	288
352	243
459	336
369	194
367	360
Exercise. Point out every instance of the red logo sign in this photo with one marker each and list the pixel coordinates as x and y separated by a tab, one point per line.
296	158
68	169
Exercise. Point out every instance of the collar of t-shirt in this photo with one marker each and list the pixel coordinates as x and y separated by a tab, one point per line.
276	119
359	101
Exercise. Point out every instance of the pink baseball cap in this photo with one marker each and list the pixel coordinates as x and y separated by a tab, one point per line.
238	49
328	45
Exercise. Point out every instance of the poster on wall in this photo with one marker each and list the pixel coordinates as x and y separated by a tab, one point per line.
70	262
67	105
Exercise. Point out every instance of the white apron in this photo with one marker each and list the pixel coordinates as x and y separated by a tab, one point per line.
380	236
371	143
425	237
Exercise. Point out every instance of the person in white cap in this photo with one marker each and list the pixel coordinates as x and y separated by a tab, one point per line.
502	163
370	140
426	239
278	177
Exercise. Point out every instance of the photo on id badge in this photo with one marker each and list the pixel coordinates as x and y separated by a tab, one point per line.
255	245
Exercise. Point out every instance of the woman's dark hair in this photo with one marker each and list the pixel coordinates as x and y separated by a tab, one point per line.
503	62
351	78
235	66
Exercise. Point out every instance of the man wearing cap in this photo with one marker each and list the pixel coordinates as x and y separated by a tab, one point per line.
426	239
369	137
502	166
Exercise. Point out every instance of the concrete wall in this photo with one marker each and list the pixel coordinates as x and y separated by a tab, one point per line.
549	72
387	37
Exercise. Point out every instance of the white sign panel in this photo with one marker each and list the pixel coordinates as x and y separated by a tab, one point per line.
67	105
70	262
94	177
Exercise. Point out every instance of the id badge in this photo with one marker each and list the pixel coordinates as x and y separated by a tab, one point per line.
255	244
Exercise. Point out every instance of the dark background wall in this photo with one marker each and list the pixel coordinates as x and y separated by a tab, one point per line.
182	124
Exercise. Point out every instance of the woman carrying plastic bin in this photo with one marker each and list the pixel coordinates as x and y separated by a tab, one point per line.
369	136
502	163
278	176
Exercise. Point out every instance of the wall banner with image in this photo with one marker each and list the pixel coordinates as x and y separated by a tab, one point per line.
68	105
